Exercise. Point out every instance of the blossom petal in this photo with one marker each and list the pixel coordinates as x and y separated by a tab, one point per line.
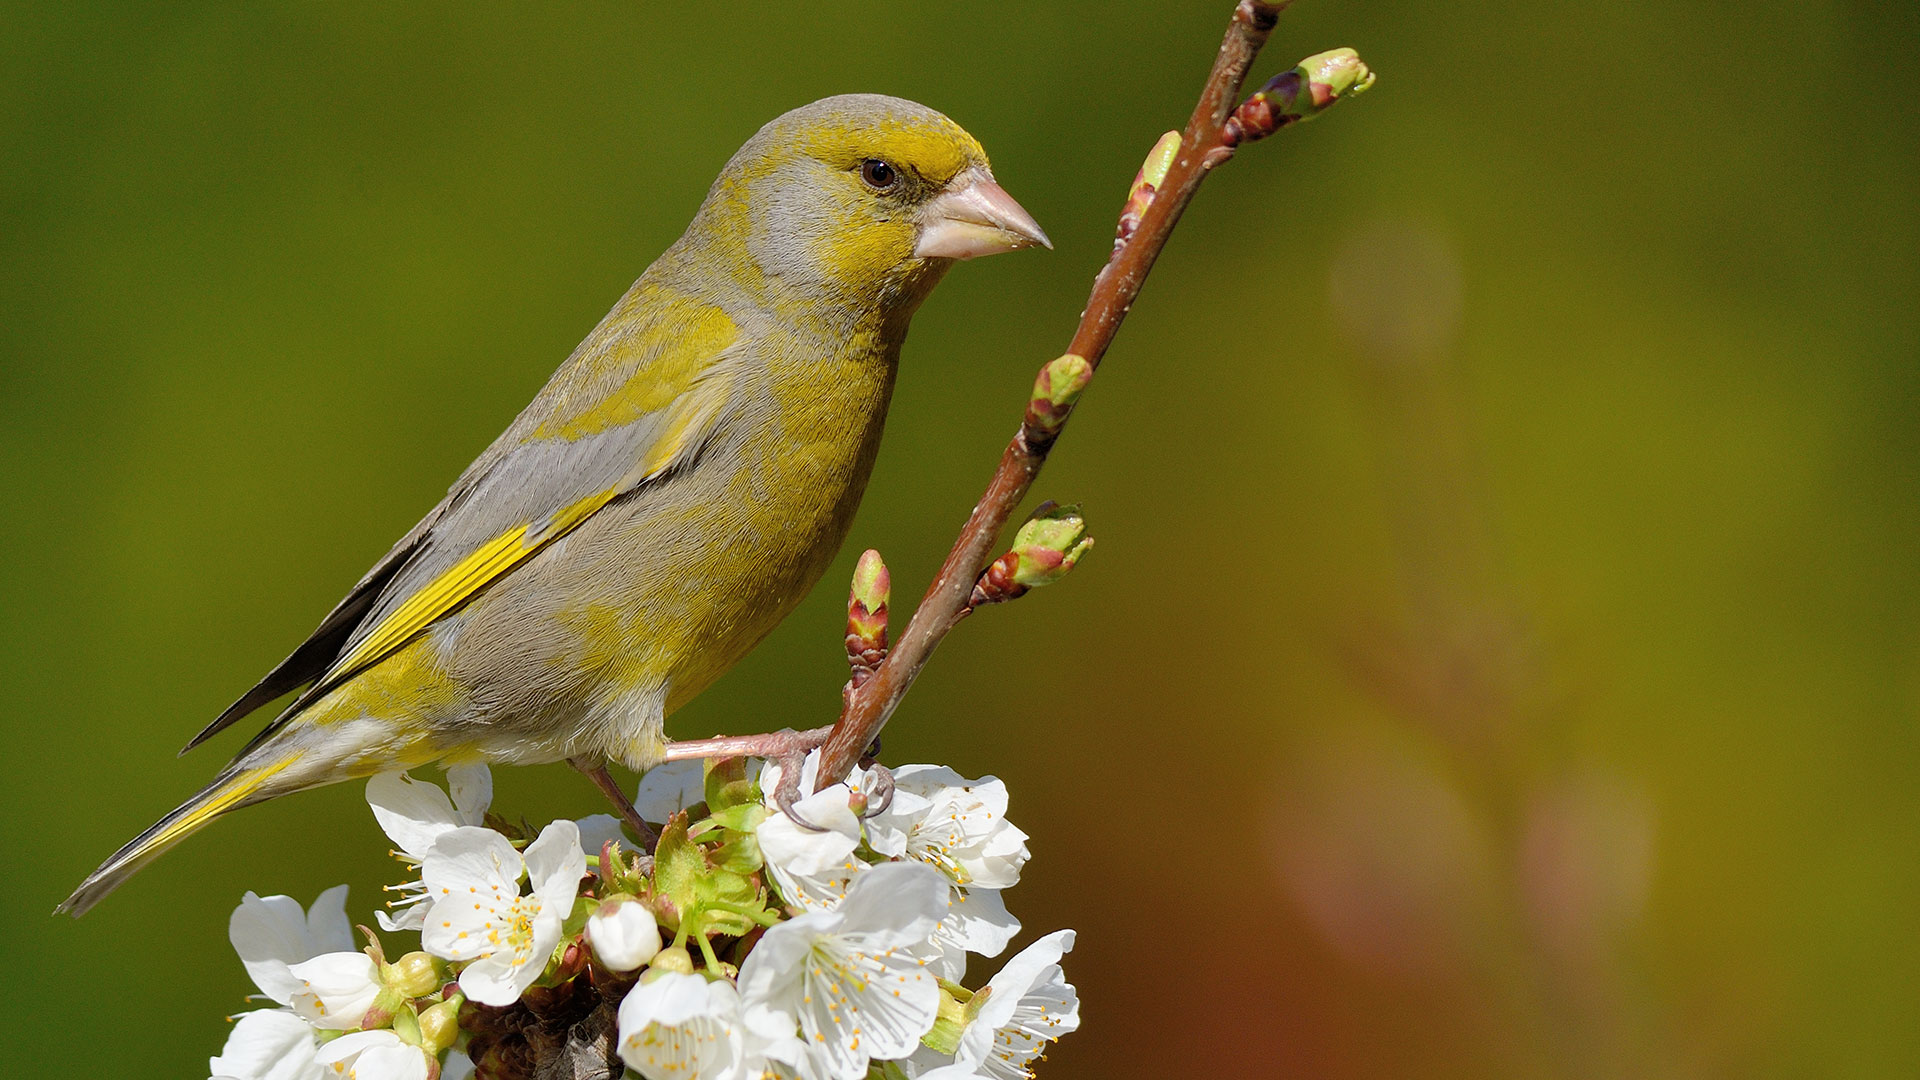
472	789
327	927
336	989
413	813
555	865
1020	975
895	905
624	935
495	980
471	857
667	789
272	932
374	1055
979	922
597	829
268	1044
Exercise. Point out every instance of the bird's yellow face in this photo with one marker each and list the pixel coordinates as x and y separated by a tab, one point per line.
866	200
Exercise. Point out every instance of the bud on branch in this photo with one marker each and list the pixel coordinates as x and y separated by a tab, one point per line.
1145	183
1054	392
1303	93
1045	550
867	617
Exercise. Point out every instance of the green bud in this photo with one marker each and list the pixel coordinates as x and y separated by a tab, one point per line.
1335	74
440	1025
672	958
413	975
1146	184
1048	545
1160	159
1304	92
871	583
1057	387
867	617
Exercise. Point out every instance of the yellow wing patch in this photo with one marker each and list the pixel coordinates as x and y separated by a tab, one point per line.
460	582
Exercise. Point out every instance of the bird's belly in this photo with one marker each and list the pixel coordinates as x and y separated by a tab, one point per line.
652	599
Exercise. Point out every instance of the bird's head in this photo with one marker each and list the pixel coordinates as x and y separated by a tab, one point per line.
862	200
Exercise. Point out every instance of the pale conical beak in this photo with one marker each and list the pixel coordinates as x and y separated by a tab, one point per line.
973	217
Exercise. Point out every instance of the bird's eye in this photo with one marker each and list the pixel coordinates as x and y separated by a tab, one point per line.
879	175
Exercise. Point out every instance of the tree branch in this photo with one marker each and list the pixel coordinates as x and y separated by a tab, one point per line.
1210	139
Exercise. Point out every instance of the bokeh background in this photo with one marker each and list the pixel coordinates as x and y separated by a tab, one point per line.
1500	656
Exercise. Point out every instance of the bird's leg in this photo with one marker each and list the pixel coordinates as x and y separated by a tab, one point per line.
789	750
774	745
595	770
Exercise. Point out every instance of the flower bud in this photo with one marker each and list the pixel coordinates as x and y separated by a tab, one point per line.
413	975
440	1025
867	616
1146	183
1049	545
1045	550
672	958
1308	90
624	933
1054	392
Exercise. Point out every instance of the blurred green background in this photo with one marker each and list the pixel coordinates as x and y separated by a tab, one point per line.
1500	656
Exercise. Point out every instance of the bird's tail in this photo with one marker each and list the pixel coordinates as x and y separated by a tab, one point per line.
240	784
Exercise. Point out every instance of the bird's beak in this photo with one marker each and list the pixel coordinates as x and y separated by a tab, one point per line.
973	217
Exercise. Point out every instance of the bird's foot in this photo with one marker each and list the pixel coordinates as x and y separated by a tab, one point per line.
789	750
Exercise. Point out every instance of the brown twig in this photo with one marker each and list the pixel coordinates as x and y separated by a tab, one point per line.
1202	147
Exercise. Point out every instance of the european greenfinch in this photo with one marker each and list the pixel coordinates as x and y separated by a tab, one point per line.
679	484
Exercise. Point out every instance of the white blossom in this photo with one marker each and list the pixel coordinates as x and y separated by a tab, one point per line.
812	867
1028	1005
478	914
413	814
269	1044
852	978
624	934
683	1027
271	933
958	826
336	989
374	1055
977	921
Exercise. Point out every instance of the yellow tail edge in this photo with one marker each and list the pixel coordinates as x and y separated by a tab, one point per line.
230	791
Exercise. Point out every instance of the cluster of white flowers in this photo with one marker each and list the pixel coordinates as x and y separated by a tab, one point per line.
746	945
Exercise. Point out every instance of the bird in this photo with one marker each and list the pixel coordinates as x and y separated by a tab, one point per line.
678	485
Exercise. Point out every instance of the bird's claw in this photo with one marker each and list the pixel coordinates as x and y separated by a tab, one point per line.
788	791
880	795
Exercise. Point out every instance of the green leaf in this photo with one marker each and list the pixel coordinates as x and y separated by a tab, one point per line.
726	783
740	854
679	866
743	817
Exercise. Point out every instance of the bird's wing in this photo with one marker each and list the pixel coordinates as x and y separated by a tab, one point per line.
639	398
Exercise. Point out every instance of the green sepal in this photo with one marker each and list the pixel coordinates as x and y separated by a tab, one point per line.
406	1024
948	1023
723	887
576	920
